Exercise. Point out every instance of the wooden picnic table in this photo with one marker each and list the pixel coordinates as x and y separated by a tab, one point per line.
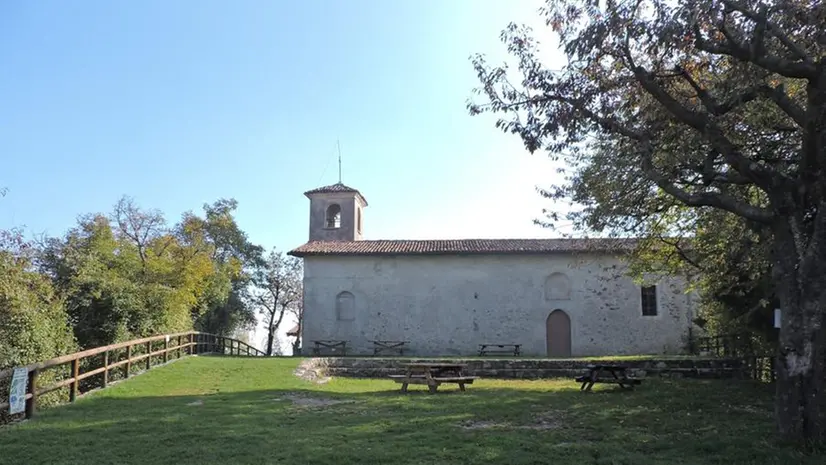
618	375
510	349
388	346
332	344
433	375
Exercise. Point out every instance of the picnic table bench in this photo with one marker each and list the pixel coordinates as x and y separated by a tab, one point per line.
332	345
510	349
617	376
388	346
433	375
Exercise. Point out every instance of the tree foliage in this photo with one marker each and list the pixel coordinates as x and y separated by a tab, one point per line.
685	113
131	274
34	325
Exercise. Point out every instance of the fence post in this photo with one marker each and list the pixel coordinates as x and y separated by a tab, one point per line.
148	357
193	349
128	360
105	368
179	346
166	349
32	389
74	386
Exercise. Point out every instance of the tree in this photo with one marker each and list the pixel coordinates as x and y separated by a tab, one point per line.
225	314
710	104
34	325
298	312
130	274
278	289
141	227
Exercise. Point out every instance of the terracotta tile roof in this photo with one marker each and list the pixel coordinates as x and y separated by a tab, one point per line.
461	246
334	189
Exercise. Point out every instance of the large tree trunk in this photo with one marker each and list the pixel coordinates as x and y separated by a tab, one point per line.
801	287
270	338
270	334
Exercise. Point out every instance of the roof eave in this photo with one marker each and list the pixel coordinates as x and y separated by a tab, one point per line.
310	194
302	254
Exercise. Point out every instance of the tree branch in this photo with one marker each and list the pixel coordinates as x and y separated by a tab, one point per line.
762	20
737	50
761	175
703	125
781	99
703	199
680	251
711	104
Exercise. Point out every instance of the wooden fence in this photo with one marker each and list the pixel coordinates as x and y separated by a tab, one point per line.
98	367
725	345
758	362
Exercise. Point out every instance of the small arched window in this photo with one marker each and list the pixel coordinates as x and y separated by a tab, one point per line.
334	216
345	306
557	287
358	218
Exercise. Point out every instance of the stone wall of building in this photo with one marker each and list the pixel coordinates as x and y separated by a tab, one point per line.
446	305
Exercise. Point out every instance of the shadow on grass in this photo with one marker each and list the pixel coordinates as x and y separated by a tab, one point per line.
659	422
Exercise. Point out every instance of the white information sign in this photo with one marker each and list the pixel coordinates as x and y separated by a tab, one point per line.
17	391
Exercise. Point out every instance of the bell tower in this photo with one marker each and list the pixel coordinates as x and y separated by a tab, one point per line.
336	213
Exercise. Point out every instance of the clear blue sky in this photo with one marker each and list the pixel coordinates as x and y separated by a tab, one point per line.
178	103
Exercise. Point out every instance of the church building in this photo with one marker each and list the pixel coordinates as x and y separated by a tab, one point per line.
555	297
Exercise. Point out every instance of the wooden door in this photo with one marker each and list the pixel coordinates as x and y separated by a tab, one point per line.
558	329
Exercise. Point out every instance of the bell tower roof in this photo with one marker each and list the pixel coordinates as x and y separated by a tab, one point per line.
337	188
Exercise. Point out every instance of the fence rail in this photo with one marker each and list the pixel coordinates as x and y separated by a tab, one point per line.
758	362
103	362
725	345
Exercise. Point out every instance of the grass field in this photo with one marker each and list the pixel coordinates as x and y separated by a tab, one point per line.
214	410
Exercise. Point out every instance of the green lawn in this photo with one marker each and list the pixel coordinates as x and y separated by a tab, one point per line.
213	410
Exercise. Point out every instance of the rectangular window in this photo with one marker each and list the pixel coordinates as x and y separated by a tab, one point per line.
649	300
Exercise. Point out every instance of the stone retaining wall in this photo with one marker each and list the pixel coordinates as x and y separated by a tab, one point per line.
529	368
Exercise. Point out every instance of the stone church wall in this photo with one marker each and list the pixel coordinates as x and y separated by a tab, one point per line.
448	304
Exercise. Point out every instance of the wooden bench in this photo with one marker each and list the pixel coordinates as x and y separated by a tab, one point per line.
629	380
434	375
388	346
510	349
618	376
332	345
433	383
